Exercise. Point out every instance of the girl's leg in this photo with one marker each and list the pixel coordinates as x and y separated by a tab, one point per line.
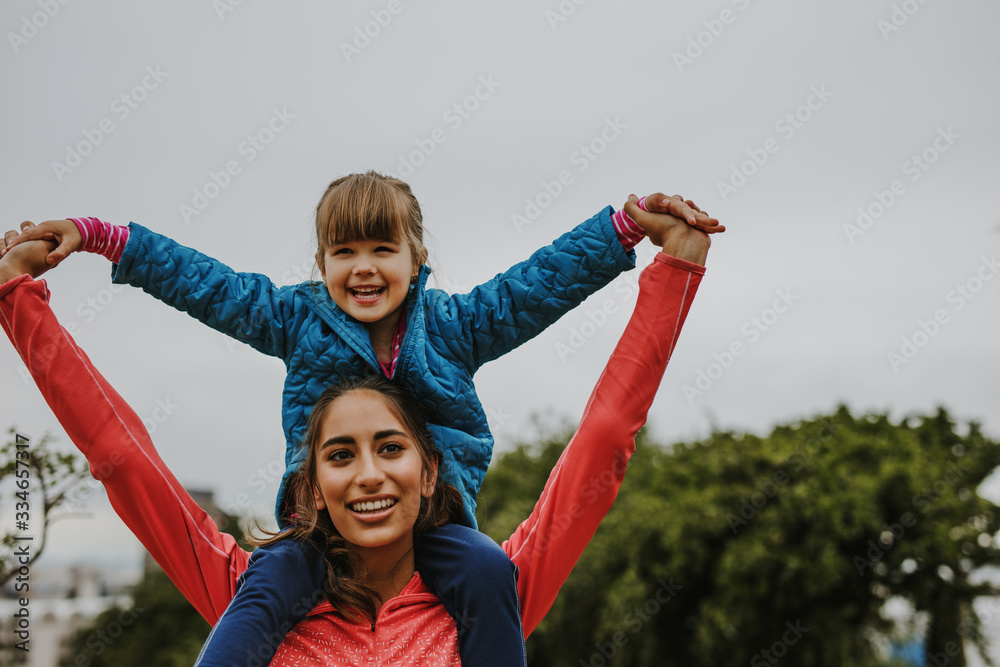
282	583
477	584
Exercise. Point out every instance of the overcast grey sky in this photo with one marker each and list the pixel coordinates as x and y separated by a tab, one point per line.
786	120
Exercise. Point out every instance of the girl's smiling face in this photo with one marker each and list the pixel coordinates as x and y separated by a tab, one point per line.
369	280
370	475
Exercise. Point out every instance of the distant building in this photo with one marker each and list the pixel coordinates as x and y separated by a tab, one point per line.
64	600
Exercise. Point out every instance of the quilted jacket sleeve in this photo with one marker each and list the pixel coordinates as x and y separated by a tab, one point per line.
245	306
517	305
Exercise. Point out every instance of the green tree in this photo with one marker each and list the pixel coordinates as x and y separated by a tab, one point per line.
43	480
743	549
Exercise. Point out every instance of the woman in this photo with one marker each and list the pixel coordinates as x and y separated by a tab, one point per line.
368	476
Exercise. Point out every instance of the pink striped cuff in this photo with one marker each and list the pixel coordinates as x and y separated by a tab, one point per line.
629	233
102	237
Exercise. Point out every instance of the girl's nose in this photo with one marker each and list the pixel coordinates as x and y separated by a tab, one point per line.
363	266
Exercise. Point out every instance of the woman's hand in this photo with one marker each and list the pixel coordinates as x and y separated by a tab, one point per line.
64	232
28	257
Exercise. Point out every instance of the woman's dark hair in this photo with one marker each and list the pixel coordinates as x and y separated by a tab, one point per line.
346	572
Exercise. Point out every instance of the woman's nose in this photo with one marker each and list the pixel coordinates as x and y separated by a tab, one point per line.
370	473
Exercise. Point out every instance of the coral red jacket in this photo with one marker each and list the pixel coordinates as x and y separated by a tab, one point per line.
412	628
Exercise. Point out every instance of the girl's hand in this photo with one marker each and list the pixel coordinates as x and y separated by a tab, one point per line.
687	210
675	235
63	232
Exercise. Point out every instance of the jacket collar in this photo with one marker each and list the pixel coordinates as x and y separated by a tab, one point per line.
318	298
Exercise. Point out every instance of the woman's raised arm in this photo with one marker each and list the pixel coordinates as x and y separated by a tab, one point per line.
584	483
181	537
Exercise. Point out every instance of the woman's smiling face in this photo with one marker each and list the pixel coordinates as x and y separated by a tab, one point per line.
370	475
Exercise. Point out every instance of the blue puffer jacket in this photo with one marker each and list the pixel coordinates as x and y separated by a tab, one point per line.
448	337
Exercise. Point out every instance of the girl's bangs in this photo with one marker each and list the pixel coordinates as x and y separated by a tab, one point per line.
369	214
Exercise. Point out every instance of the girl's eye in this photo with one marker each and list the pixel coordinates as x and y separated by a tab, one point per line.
383	248
342	251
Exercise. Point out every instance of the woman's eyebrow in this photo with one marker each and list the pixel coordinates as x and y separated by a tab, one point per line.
349	439
338	440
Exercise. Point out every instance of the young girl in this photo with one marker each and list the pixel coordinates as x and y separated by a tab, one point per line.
364	441
372	313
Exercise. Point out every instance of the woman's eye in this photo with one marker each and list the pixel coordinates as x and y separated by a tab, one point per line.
392	448
339	455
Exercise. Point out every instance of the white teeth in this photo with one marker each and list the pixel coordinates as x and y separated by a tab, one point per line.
373	506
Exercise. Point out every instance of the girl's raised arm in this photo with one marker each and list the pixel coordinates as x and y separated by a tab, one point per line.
245	306
518	304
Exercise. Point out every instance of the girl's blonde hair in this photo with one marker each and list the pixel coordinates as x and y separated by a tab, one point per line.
369	207
345	571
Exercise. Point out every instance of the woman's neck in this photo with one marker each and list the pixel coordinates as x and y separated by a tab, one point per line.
388	573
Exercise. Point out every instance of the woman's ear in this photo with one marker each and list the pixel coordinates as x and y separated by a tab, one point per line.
429	478
318	497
